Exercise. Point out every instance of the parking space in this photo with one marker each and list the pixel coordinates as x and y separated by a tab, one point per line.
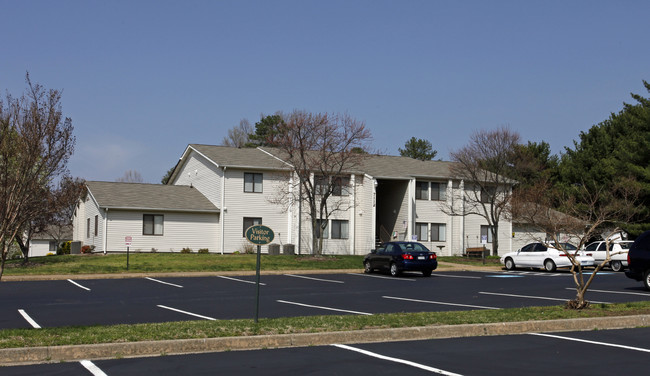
595	353
89	302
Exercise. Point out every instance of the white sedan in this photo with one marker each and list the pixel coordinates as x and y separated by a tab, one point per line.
617	251
546	256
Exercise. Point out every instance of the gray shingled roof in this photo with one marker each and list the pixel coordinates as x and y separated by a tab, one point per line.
239	157
378	166
388	166
114	195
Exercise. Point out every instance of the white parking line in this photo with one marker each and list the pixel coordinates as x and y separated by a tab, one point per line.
441	303
382	277
613	292
591	342
164	283
401	361
455	276
534	297
314	279
78	285
240	280
29	319
92	368
187	313
325	308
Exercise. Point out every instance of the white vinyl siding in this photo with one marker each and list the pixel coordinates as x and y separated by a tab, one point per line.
239	205
181	230
202	174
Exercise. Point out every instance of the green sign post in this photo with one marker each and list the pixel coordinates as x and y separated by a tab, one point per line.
259	235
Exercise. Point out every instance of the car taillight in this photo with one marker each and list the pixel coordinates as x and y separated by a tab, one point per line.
628	259
433	256
589	254
407	257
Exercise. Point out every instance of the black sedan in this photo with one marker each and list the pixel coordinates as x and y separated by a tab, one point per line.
397	257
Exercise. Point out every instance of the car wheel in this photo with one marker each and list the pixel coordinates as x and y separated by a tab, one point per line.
393	270
510	264
549	265
646	279
366	267
616	266
427	273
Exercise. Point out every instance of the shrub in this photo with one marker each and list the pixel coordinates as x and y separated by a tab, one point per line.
204	251
247	248
50	254
64	248
186	250
87	248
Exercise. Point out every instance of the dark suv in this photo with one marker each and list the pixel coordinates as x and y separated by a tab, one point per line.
638	260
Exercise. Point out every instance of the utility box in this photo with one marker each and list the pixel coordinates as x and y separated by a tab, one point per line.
75	248
274	249
289	249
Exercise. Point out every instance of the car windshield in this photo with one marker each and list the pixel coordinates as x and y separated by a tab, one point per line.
413	247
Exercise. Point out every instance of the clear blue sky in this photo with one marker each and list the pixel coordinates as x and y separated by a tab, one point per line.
142	79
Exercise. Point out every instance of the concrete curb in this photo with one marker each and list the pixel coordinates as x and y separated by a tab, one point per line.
16	356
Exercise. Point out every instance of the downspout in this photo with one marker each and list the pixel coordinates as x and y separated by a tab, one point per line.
223	209
105	230
461	186
351	229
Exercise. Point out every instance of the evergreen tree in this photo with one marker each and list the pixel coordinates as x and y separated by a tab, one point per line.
617	148
417	148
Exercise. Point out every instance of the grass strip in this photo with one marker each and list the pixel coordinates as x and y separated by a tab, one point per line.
78	335
174	262
193	262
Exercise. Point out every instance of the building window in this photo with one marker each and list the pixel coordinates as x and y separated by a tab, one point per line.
421	190
339	229
320	184
438	232
152	224
320	231
252	182
88	228
488	194
438	191
250	221
421	230
486	234
340	186
96	224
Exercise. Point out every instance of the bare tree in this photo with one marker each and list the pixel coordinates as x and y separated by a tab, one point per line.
238	136
321	150
35	145
586	211
131	176
482	166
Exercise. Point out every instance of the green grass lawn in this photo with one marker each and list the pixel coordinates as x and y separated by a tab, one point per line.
193	262
174	262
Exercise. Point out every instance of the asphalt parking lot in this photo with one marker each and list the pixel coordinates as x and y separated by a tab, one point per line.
602	352
126	301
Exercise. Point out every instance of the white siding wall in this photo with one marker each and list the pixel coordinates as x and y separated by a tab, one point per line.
39	248
431	211
181	230
202	174
364	221
239	204
91	210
